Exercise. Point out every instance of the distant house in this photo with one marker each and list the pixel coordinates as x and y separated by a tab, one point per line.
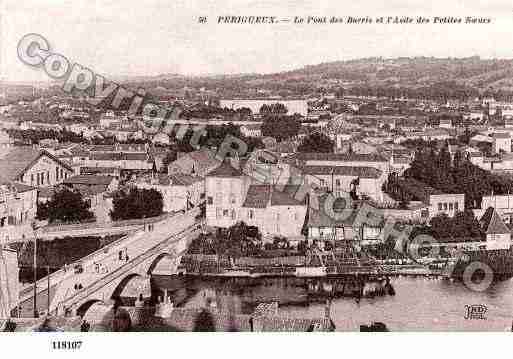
498	235
197	163
18	207
251	130
437	201
179	191
274	211
339	179
445	123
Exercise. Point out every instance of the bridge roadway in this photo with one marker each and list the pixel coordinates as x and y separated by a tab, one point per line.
107	271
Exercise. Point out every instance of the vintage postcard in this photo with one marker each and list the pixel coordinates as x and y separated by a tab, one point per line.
255	166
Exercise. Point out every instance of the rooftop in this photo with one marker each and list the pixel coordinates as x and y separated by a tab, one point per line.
354	171
225	170
89	180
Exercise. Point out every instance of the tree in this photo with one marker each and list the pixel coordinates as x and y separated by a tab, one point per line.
316	142
280	127
273	109
65	205
136	203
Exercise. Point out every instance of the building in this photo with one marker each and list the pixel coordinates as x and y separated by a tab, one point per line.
251	130
225	189
445	123
197	163
341	179
33	167
501	142
18	208
179	191
437	201
233	196
498	235
121	160
274	210
373	160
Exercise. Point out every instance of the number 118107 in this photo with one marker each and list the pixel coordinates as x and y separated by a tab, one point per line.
66	345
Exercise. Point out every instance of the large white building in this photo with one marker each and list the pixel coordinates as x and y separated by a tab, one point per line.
233	196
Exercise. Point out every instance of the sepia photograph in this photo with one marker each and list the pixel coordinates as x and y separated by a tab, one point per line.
255	166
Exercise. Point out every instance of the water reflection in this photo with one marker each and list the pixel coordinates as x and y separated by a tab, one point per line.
418	304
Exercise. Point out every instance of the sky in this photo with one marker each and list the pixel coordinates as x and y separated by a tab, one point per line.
150	37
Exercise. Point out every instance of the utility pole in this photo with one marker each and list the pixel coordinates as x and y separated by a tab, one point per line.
47	287
35	272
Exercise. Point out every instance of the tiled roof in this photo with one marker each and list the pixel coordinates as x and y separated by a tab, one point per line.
318	217
89	180
117	156
492	222
356	171
225	170
181	179
342	157
501	135
258	196
285	196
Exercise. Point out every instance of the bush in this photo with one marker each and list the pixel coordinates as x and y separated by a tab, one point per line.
136	203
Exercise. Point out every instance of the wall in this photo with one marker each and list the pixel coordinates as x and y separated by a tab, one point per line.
46	166
498	241
227	196
448	204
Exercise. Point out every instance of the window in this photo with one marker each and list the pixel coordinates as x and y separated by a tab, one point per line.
225	213
295	216
62	173
251	214
57	173
321	182
455	206
210	200
450	206
232	198
218	213
31	178
337	182
439	206
445	206
47	177
233	214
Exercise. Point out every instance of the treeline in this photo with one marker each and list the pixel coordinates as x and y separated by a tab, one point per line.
34	136
458	175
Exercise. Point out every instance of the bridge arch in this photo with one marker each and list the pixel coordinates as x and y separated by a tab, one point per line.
84	307
158	259
130	288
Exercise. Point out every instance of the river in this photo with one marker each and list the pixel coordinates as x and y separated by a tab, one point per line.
419	304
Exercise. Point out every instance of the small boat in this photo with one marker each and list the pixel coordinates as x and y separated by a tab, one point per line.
374	327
